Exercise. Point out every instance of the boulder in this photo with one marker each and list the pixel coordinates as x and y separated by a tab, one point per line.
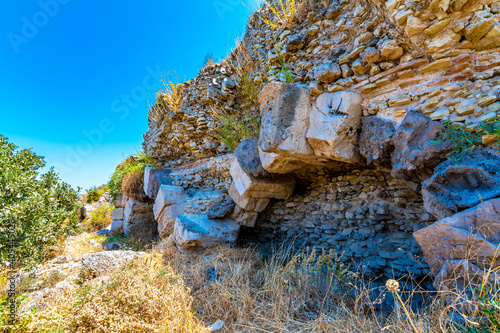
285	112
247	202
375	140
139	220
221	209
277	187
168	195
473	234
100	263
416	152
456	186
197	232
247	154
461	274
153	179
334	123
166	219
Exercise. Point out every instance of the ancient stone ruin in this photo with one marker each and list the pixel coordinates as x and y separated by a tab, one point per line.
348	156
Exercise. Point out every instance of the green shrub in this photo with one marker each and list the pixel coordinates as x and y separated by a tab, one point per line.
133	163
98	219
234	128
38	208
94	194
283	72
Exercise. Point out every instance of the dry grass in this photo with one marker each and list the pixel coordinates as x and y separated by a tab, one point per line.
133	185
169	100
171	292
283	13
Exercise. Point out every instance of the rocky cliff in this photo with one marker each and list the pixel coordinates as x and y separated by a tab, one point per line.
351	97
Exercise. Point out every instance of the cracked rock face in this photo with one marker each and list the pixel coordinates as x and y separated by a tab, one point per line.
473	234
139	220
247	154
456	187
334	124
416	153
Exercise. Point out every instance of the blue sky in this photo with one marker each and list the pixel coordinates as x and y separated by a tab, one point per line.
77	77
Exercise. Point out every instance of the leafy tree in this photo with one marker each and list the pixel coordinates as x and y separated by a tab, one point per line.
35	209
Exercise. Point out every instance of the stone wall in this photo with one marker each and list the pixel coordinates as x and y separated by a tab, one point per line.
366	216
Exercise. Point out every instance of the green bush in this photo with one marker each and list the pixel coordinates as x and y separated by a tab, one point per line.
133	163
36	210
98	219
94	194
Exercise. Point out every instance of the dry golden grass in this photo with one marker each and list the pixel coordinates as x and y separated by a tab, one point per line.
171	292
133	184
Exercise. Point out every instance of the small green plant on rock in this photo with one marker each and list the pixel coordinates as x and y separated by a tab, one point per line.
98	219
234	128
283	72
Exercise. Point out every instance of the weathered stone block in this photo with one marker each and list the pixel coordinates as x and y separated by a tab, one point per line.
246	185
334	124
197	232
473	234
166	219
244	217
221	209
247	154
168	195
375	141
285	112
416	153
456	187
153	179
246	202
282	164
327	73
139	220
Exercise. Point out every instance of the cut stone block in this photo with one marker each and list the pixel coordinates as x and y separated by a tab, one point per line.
246	202
116	227
246	185
168	195
166	219
334	124
197	232
285	112
139	220
279	163
153	179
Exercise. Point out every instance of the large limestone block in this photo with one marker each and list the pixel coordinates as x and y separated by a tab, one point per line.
153	179
334	123
116	227
247	202
166	219
100	263
375	141
197	232
120	201
168	195
416	152
285	112
247	185
457	186
247	154
139	220
473	234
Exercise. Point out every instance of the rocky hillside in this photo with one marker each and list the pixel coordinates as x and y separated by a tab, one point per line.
363	122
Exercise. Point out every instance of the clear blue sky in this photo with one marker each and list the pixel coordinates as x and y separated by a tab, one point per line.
77	77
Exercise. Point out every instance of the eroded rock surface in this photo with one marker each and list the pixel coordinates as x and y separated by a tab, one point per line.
416	152
333	126
139	220
153	179
197	232
247	154
462	184
375	141
473	234
100	263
